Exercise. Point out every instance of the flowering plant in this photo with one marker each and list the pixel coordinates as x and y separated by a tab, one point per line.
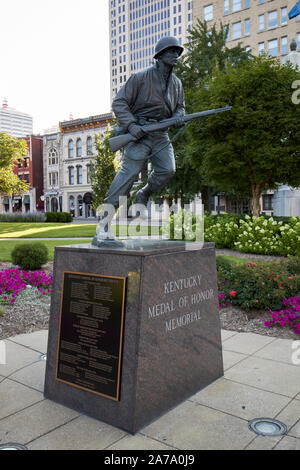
258	286
254	234
13	281
288	316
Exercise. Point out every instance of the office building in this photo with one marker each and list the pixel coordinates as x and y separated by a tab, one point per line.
15	123
135	28
260	25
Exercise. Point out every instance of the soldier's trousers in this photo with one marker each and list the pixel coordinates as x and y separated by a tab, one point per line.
135	155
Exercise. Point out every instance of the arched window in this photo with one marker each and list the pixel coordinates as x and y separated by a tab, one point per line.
78	148
79	174
52	157
71	149
89	145
72	205
71	175
80	205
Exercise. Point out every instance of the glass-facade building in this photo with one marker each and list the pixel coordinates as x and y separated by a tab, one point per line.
135	28
14	122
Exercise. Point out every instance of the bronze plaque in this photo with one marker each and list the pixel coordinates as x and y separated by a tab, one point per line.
91	331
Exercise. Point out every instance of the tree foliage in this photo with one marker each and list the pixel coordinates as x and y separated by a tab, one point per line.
104	167
11	150
205	51
256	145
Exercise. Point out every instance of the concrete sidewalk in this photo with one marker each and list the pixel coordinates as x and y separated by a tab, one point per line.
261	379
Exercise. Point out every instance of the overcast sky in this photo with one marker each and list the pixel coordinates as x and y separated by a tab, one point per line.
54	58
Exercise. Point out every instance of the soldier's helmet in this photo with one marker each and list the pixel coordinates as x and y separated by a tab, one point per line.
165	43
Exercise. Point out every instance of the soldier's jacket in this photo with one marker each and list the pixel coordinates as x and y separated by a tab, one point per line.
145	95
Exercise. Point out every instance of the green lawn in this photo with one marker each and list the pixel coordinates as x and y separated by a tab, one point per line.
56	230
236	259
45	230
6	246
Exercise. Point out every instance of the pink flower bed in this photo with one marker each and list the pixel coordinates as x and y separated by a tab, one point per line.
288	316
13	281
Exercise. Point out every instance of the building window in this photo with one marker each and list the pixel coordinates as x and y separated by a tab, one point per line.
88	174
226	7
79	174
273	47
78	148
71	175
72	206
53	178
70	148
247	27
79	205
26	162
284	15
208	12
284	45
237	30
89	146
247	4
261	22
52	157
267	202
272	19
261	48
236	5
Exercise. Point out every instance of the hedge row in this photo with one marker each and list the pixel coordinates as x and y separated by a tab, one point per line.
37	217
261	235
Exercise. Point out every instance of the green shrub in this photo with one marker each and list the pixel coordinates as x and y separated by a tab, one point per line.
23	217
63	217
183	226
259	286
222	230
224	265
259	235
292	265
30	256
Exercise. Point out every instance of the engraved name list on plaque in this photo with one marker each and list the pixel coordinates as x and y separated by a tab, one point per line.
89	354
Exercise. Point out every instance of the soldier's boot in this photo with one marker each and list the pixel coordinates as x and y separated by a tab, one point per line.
142	197
103	231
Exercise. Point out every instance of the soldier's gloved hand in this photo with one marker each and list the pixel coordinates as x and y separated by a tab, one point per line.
179	123
136	131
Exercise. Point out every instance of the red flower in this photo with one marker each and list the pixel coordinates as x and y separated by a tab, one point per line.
232	293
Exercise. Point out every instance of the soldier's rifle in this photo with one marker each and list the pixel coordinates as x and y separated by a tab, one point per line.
119	141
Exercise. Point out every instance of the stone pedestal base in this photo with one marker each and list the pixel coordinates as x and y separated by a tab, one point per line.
171	335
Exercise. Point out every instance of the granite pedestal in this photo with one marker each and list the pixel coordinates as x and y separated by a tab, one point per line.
171	340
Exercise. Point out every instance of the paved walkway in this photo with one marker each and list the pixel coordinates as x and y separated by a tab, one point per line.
261	379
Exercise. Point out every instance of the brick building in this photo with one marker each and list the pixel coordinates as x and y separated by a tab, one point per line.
31	171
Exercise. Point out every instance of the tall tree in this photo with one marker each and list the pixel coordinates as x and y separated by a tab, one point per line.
256	145
206	50
11	150
103	168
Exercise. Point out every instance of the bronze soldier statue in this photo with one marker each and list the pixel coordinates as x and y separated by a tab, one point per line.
149	96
